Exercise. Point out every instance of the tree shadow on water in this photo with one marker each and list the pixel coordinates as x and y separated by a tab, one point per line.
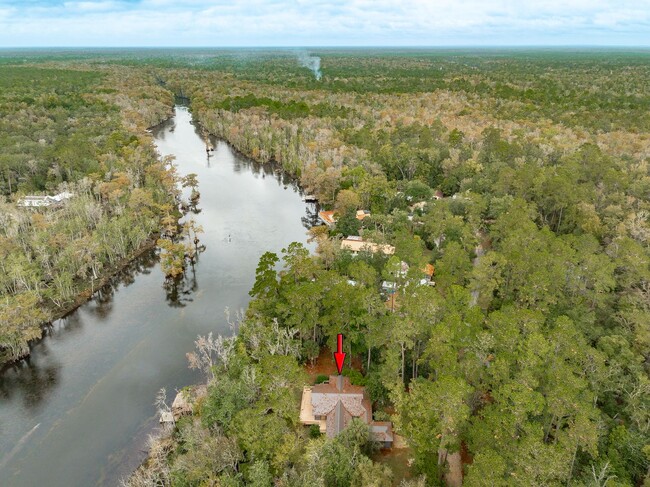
101	304
179	290
311	216
31	380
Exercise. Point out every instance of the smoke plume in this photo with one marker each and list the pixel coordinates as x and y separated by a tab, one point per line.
312	63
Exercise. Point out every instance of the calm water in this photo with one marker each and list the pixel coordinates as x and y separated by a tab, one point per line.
79	412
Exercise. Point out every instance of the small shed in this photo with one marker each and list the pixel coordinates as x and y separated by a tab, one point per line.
382	433
389	287
166	417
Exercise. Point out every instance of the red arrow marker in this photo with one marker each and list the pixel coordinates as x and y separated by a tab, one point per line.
339	355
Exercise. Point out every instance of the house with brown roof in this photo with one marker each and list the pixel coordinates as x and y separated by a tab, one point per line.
327	217
333	404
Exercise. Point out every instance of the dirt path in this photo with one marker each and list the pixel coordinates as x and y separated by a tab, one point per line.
454	477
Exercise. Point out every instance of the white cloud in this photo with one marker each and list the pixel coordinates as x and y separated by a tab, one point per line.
80	7
319	22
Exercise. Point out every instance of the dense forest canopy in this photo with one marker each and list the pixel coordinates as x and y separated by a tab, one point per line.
522	176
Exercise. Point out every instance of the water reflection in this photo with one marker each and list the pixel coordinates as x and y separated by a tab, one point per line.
33	378
311	216
71	324
242	164
102	303
179	290
30	380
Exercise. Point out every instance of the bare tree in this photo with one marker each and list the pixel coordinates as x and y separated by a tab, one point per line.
154	473
209	352
164	411
282	340
600	477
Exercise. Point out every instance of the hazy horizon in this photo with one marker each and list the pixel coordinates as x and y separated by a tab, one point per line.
486	47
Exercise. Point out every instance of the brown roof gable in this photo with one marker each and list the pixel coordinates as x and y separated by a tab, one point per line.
327	217
332	385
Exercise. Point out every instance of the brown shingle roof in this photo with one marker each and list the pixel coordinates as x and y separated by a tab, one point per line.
326	396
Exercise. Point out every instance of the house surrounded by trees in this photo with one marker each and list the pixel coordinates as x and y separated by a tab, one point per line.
333	404
36	201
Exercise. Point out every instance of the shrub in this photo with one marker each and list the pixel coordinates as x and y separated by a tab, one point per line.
321	378
381	416
314	431
356	377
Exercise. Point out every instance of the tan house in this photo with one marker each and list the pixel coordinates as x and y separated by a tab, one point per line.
357	244
333	404
361	214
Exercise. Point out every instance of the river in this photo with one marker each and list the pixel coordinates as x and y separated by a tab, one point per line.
79	411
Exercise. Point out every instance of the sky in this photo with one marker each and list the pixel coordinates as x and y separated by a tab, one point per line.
223	23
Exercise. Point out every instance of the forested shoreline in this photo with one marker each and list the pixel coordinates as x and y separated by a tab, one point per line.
82	132
522	178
